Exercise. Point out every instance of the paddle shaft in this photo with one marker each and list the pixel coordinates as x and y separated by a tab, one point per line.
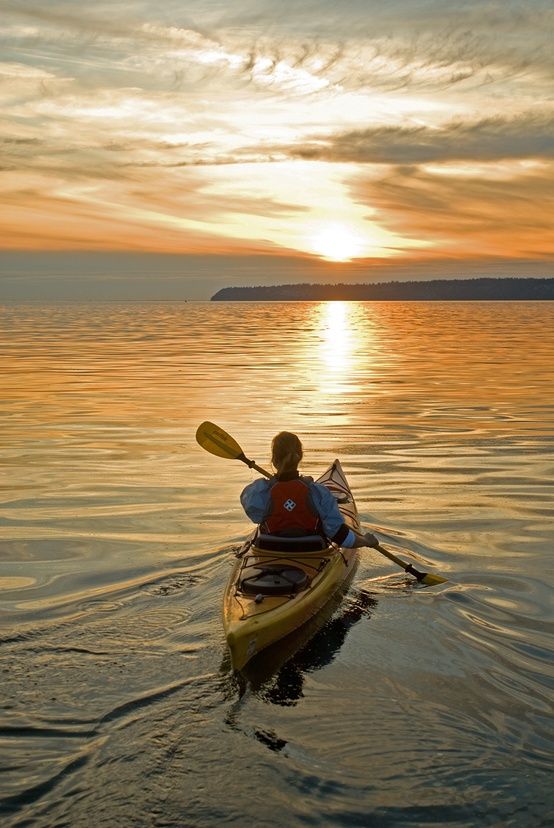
392	557
251	465
424	577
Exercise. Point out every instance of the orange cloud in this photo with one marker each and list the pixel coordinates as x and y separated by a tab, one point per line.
489	211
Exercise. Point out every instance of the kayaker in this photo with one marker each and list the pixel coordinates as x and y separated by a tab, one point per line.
291	504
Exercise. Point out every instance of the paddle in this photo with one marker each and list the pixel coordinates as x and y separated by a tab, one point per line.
423	577
216	441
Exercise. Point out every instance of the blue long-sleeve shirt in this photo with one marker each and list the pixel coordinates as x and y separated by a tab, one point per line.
256	502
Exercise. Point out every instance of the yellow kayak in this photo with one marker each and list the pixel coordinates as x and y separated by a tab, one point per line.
277	584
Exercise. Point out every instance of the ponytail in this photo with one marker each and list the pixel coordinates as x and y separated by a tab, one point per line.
286	453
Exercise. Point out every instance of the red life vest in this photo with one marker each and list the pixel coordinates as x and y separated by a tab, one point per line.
291	509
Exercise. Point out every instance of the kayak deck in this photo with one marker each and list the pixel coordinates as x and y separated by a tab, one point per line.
271	592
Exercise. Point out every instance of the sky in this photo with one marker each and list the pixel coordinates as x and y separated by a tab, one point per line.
167	149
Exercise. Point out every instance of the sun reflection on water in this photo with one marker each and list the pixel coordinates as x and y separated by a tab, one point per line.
346	336
336	334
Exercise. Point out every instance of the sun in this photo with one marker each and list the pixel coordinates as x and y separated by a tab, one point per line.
336	242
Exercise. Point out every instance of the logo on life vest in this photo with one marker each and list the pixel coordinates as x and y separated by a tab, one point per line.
289	505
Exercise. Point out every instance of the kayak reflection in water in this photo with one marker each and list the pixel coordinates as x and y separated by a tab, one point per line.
289	504
285	687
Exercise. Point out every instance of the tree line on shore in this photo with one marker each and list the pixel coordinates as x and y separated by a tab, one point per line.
479	289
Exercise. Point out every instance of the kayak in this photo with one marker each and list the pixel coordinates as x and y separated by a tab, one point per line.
279	583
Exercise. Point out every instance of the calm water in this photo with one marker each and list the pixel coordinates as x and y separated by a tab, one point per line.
410	706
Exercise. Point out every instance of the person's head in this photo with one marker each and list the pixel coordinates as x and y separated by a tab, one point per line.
286	452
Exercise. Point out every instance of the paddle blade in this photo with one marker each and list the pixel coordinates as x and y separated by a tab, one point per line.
218	442
433	580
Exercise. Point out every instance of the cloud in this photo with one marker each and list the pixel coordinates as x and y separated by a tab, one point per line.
143	123
468	213
295	48
529	135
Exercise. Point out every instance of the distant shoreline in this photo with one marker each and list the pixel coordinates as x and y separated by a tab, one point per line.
480	289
